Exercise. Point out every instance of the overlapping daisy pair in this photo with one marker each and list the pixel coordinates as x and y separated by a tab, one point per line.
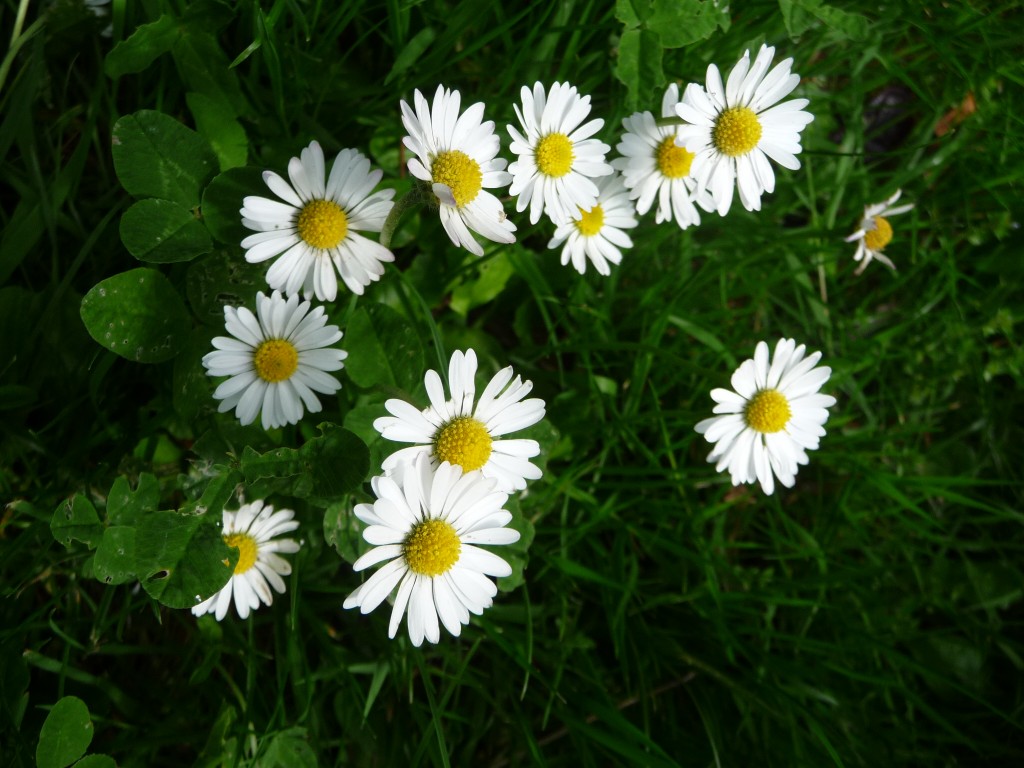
443	495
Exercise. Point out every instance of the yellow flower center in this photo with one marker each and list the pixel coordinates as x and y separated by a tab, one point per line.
463	441
768	411
673	161
554	155
322	224
247	551
275	360
736	131
431	548
460	173
591	222
880	236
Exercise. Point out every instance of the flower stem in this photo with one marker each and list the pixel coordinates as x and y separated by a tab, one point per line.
410	199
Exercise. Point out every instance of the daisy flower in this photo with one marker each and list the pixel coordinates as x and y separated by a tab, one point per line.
459	433
427	528
773	416
315	231
655	166
277	359
456	155
734	128
557	158
251	530
597	235
876	232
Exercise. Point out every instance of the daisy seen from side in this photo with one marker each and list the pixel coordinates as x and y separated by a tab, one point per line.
655	167
252	531
598	233
427	526
876	232
772	416
314	233
558	160
464	429
277	359
733	129
456	155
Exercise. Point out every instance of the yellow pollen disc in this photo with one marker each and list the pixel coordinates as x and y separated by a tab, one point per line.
591	222
673	161
463	441
275	360
880	236
460	173
322	224
431	548
768	411
554	155
247	550
736	131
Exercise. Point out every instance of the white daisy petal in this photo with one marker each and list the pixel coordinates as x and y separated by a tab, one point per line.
733	128
457	430
876	232
275	361
775	413
250	530
318	225
440	574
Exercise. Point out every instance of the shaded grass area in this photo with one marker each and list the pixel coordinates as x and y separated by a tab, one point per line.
872	615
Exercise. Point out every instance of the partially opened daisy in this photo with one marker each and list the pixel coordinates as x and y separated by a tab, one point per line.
734	128
461	433
876	232
251	530
774	415
315	231
558	161
427	529
598	233
654	166
457	155
277	359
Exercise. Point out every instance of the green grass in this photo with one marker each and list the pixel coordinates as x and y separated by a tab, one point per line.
870	616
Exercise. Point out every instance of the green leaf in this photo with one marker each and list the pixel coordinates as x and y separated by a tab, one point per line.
66	734
76	519
125	505
289	749
143	47
138	315
182	559
800	15
684	22
632	12
216	121
218	492
222	204
328	466
411	53
191	388
206	69
343	531
96	761
494	274
333	464
161	232
114	562
223	279
640	65
156	156
383	349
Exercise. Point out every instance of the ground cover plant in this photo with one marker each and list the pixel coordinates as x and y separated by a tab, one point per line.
358	411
